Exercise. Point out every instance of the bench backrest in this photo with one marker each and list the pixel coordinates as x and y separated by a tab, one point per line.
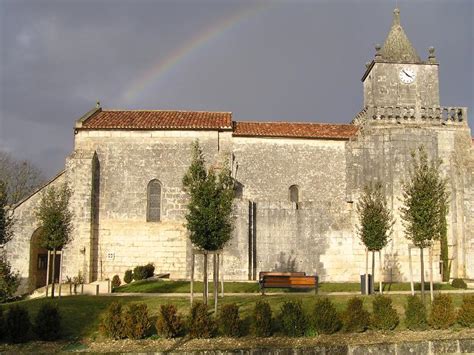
289	281
276	273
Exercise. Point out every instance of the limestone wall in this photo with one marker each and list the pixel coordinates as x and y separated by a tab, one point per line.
25	224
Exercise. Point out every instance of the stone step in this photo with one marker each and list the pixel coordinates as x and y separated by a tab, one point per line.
94	288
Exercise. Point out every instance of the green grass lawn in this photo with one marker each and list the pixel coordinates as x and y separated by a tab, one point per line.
169	286
81	314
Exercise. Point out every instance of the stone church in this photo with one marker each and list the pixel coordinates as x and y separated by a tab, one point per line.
298	184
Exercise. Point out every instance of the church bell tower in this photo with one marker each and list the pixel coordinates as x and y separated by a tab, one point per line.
397	79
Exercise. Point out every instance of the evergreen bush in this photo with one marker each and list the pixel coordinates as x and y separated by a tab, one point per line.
466	312
136	321
292	319
325	318
149	270
458	283
415	314
262	319
3	328
169	323
384	316
355	318
115	281
230	323
112	324
442	314
139	273
18	324
48	322
128	277
201	324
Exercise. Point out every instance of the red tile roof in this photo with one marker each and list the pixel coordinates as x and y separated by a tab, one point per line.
294	130
182	120
157	120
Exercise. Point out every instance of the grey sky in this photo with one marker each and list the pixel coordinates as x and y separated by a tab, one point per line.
267	61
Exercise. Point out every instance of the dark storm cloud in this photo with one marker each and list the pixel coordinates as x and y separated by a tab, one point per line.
295	61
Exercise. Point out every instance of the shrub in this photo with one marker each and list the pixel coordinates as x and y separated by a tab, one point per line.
262	319
149	270
169	323
112	324
136	321
128	277
292	319
415	314
442	314
3	328
384	316
466	312
355	318
325	318
18	324
201	325
458	283
116	281
9	280
229	320
139	273
48	322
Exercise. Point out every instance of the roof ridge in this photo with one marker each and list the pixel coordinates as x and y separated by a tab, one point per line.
154	110
290	122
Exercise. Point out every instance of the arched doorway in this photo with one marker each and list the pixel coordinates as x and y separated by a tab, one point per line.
39	263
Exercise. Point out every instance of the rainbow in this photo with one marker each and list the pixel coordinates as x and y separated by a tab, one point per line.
159	69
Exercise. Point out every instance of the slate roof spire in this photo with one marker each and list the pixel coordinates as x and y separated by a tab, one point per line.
397	47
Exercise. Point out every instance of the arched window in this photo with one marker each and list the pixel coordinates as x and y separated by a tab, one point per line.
294	195
153	209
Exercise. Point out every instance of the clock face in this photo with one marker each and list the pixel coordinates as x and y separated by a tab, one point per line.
407	75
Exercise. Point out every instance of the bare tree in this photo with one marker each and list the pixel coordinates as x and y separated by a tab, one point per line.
21	177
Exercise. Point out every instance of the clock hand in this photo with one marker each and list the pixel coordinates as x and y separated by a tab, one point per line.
407	74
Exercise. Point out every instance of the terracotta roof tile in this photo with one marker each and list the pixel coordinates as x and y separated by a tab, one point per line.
158	120
294	130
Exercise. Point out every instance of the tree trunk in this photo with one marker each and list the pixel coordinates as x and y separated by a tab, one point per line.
216	284
431	273
60	272
366	271
53	273
372	284
380	273
193	259
412	286
47	273
205	278
422	276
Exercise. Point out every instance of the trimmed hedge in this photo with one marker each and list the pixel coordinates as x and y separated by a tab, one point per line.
415	314
128	277
200	322
442	314
466	312
229	320
292	319
384	316
169	323
325	319
18	324
458	283
355	318
48	322
112	325
262	319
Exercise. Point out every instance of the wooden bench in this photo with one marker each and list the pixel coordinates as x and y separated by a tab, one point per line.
293	280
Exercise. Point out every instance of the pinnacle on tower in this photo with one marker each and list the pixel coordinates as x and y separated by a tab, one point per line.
397	47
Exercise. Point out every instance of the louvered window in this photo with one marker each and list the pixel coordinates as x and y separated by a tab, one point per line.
153	201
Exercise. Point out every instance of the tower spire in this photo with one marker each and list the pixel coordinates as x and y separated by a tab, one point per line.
397	47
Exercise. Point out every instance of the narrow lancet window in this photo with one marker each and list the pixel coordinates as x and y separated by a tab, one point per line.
294	195
153	213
